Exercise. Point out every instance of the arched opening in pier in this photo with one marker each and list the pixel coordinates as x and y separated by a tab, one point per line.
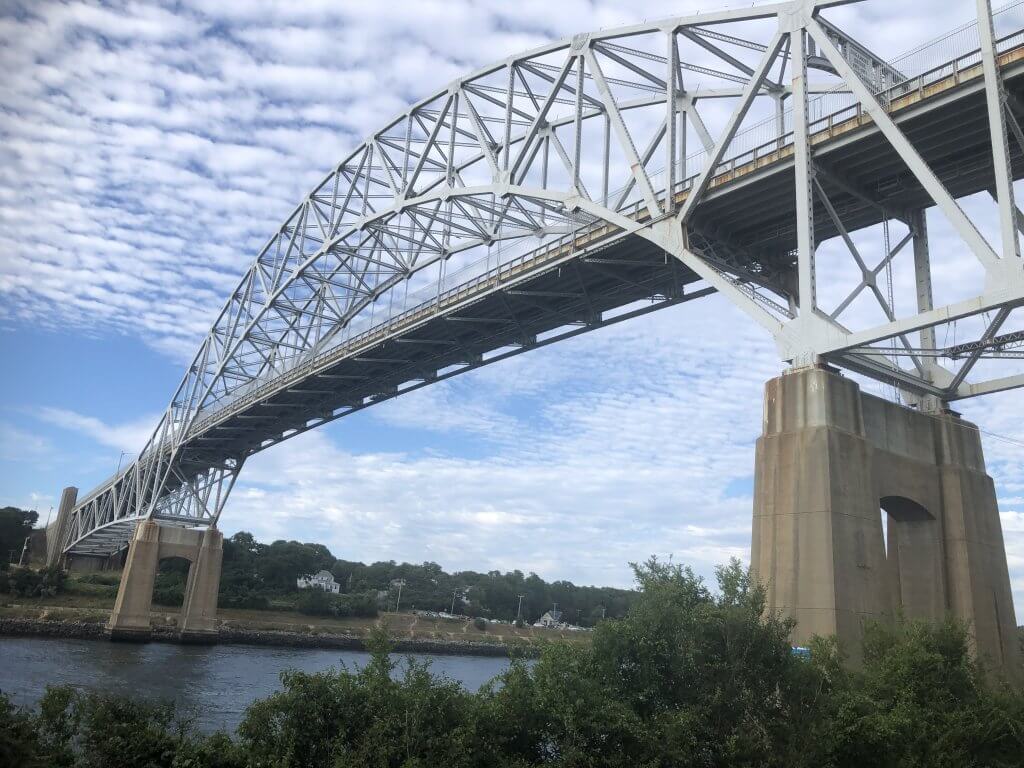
912	543
170	582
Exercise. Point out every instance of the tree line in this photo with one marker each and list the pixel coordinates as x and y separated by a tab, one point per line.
260	576
256	574
689	677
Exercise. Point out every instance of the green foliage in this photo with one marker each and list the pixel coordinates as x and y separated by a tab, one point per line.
480	624
316	602
256	575
689	677
89	730
15	526
100	578
367	717
922	700
169	585
27	582
19	741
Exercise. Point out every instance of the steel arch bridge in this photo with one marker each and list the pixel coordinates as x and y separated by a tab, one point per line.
605	176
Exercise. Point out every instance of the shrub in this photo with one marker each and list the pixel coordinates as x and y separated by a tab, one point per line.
480	623
316	602
19	743
245	599
169	585
171	596
25	582
104	578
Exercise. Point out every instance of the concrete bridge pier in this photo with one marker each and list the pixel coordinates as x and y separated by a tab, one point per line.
55	530
831	460
204	549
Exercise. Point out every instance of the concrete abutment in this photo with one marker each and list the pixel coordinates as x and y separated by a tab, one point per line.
829	458
204	549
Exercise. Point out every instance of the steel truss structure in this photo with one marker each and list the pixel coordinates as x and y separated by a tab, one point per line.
601	177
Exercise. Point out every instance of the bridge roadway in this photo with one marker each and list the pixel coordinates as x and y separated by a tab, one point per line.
599	275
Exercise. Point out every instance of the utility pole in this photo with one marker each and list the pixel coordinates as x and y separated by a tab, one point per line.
24	549
399	603
519	611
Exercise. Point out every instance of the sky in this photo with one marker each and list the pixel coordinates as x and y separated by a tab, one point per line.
148	151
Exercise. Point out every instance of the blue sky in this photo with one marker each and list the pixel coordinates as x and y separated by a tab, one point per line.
148	151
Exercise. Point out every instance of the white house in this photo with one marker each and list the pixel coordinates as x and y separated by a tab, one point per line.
321	580
551	619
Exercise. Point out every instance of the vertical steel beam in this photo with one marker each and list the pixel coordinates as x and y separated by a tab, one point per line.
923	274
908	154
803	176
995	101
670	120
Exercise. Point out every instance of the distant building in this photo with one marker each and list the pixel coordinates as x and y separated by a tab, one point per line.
321	580
551	619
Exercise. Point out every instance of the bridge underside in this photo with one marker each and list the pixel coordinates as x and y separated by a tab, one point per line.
581	294
863	175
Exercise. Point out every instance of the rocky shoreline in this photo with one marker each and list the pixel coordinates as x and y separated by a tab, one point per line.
19	627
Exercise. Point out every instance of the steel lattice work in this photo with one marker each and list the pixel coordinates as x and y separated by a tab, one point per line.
601	177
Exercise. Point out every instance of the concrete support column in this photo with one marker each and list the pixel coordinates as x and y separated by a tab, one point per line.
829	460
817	537
56	530
975	556
204	549
130	618
199	611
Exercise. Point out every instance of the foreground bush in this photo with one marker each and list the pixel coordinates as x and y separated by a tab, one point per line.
27	582
316	602
688	678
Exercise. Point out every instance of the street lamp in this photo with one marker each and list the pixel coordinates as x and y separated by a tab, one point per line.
119	460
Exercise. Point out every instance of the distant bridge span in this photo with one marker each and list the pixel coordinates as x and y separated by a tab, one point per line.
559	191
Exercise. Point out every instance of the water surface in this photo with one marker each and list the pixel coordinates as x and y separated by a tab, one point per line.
216	682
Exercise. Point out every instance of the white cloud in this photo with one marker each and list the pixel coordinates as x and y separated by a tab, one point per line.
129	437
17	444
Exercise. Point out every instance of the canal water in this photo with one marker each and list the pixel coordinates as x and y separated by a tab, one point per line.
215	683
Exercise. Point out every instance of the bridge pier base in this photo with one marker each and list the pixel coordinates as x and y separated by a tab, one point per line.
204	549
831	460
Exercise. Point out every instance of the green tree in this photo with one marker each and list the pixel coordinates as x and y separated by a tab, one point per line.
19	740
922	700
15	526
347	719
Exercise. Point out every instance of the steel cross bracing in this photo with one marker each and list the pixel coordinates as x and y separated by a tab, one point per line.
547	194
